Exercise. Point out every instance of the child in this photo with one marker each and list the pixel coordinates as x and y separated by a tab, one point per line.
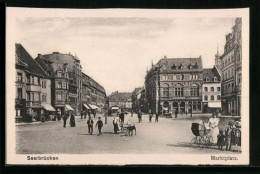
221	140
228	134
100	125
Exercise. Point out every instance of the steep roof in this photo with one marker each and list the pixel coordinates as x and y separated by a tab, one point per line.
33	66
210	73
120	96
175	64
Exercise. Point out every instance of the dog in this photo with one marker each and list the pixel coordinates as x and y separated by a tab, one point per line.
131	129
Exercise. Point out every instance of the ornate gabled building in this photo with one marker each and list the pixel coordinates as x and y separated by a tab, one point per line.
33	86
175	83
121	99
231	70
73	73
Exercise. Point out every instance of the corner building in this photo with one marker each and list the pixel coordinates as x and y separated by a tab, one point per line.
175	83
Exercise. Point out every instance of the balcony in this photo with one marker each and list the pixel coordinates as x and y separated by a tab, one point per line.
33	103
31	87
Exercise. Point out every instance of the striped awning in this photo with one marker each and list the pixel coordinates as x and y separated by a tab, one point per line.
86	106
93	106
48	107
69	108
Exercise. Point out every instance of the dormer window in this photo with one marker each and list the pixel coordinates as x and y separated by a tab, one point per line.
196	65
174	66
59	74
190	66
207	79
215	79
181	66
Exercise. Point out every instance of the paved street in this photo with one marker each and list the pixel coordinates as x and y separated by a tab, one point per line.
167	136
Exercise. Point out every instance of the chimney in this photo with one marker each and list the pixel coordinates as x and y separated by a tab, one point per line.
39	55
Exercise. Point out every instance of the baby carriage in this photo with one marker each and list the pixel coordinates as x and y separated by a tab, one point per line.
202	138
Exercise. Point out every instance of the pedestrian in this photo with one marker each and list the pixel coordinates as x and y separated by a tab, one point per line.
150	116
88	114
156	117
59	114
132	113
122	117
99	124
176	113
72	120
190	111
30	118
115	123
94	113
140	116
90	123
81	114
65	117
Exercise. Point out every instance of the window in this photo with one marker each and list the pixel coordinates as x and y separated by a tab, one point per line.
39	80
178	77
166	91
194	91
218	97
32	96
206	98
59	85
59	97
19	77
178	92
207	79
59	74
63	85
20	93
44	96
212	97
206	89
239	78
212	89
215	79
28	96
44	84
32	79
194	106
218	88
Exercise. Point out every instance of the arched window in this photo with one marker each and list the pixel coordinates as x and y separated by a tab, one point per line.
194	90
178	90
166	90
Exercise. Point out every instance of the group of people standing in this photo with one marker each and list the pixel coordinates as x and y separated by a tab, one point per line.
90	124
118	120
87	112
69	115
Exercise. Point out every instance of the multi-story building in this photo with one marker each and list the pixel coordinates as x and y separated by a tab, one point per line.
211	89
33	85
121	99
59	83
93	94
175	83
73	67
231	71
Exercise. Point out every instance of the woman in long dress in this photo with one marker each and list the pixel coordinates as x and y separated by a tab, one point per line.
72	120
213	124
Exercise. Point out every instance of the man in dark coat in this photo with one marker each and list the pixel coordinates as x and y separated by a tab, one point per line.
140	116
176	113
122	117
72	120
85	114
65	117
156	117
99	124
81	114
90	123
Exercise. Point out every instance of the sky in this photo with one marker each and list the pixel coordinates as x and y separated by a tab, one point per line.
116	51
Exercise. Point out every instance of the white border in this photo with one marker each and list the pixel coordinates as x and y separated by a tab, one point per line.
121	159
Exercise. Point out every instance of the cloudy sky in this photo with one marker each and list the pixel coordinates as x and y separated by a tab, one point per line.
116	51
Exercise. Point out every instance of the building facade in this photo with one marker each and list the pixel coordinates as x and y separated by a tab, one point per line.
175	84
70	64
211	89
231	70
121	99
33	86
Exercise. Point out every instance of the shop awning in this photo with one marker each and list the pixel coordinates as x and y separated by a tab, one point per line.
48	107
86	106
68	107
214	104
93	106
115	107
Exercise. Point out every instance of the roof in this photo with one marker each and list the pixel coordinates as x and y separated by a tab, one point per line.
170	63
25	57
210	73
121	96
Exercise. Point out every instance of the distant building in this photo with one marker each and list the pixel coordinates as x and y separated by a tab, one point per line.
33	86
121	99
175	84
211	89
231	61
136	95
